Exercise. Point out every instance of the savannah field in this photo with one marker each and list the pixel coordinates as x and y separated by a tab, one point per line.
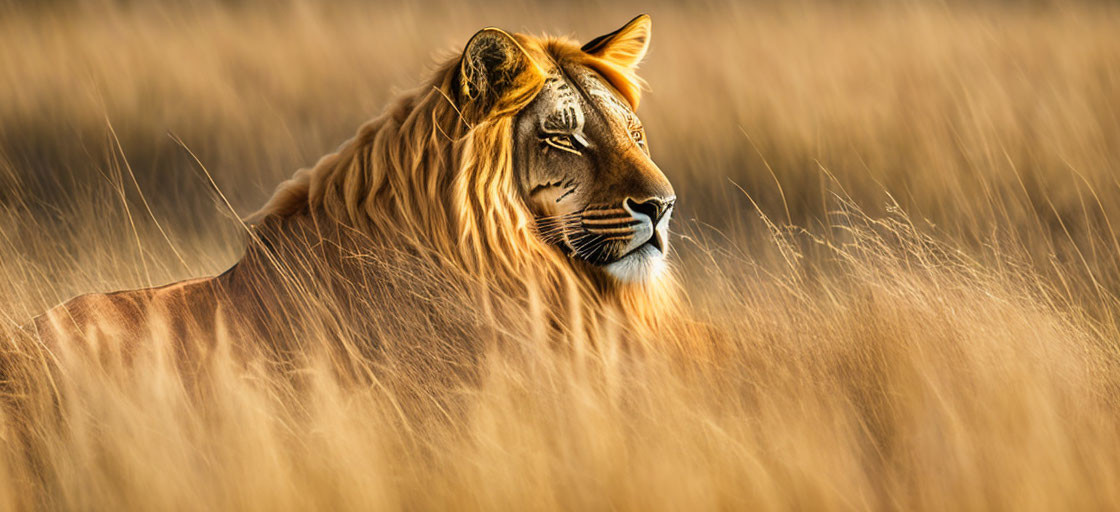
898	228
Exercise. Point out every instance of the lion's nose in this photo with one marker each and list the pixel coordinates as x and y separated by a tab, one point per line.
654	207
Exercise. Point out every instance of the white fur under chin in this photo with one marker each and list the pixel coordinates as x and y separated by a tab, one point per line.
642	265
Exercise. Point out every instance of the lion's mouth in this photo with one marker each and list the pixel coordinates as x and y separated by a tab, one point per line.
607	236
655	246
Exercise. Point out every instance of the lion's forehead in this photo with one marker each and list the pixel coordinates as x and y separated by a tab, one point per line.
566	112
606	98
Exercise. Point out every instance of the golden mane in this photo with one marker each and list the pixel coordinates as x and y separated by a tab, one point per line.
422	175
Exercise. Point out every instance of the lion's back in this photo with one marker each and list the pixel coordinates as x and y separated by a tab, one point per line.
123	321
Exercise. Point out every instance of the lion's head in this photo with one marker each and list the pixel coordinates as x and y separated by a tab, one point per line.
580	157
522	157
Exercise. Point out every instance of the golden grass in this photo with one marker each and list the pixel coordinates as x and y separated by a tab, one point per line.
898	226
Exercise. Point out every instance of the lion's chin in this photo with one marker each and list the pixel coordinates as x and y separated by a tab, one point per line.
642	265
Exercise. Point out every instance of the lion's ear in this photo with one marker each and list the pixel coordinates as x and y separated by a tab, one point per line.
495	75
626	46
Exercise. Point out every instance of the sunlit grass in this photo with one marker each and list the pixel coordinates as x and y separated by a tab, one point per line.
896	233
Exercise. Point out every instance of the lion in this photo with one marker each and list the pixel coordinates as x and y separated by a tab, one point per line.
520	170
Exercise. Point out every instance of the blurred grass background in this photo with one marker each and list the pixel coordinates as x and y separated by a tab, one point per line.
906	212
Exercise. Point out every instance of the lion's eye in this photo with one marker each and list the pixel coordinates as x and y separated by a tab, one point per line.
564	142
638	136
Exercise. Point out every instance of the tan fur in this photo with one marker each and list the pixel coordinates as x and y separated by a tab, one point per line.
419	179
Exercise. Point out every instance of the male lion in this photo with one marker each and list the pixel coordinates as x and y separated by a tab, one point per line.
519	171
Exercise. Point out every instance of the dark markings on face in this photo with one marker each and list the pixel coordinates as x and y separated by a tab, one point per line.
561	126
566	115
568	185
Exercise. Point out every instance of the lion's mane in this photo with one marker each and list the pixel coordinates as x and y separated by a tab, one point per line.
426	178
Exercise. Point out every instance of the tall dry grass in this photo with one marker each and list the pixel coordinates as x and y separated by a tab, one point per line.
897	229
